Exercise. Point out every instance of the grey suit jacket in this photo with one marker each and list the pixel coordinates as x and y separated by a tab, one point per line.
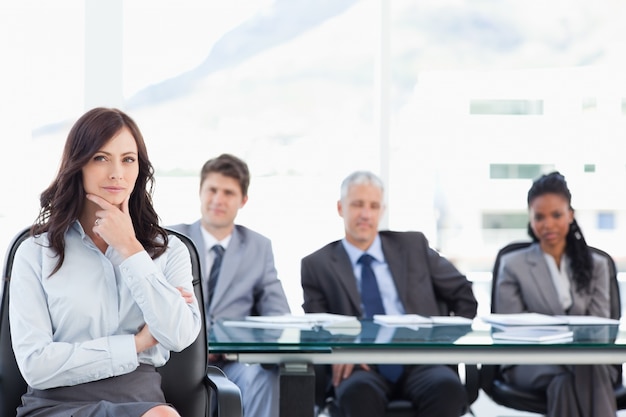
248	283
423	279
524	284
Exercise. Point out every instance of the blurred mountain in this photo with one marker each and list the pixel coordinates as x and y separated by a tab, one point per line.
432	34
283	21
426	35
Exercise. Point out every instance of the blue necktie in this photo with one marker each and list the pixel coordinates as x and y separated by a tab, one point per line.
215	269
373	304
370	294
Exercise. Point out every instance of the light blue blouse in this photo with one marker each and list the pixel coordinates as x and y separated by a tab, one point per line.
78	325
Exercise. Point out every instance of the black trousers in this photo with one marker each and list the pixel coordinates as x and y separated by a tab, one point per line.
434	390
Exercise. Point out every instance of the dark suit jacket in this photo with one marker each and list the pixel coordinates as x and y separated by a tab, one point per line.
424	279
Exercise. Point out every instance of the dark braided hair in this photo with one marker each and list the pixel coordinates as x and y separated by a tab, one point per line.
581	261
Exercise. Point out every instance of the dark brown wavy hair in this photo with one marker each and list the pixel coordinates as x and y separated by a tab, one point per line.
62	202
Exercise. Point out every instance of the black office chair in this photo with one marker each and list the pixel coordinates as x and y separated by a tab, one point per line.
507	395
187	380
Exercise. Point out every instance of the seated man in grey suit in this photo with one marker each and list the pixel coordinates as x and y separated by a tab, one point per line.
240	277
370	272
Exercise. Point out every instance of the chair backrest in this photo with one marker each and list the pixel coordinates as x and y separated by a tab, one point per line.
532	400
614	294
184	378
12	385
184	375
511	247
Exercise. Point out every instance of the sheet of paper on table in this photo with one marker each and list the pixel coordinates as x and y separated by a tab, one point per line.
536	319
523	319
308	321
411	320
555	334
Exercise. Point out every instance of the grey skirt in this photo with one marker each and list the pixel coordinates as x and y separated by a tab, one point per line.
129	395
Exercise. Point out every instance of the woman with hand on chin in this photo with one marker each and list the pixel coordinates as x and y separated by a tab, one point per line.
89	286
558	275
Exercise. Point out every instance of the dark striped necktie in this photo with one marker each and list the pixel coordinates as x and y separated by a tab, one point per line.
215	269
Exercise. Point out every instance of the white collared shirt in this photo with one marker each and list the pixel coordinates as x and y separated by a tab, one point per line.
560	279
78	325
209	242
386	285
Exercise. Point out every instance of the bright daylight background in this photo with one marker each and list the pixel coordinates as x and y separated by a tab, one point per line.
457	104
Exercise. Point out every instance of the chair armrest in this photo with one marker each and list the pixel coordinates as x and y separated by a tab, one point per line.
488	374
227	394
472	382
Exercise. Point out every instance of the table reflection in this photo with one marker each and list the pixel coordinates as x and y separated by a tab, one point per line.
237	332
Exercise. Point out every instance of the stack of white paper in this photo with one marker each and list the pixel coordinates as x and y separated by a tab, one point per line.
536	319
588	320
308	321
542	328
451	320
523	319
417	320
555	334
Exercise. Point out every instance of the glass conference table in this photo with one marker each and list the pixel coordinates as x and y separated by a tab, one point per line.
296	349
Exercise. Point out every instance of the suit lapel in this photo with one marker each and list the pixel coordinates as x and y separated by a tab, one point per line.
396	258
232	258
543	280
342	268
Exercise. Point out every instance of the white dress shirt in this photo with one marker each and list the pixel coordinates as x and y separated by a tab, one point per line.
386	285
78	325
561	279
209	242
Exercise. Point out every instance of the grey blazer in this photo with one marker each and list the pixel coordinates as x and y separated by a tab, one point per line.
524	285
423	279
248	283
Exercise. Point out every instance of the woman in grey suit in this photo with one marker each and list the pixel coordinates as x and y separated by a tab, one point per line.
558	275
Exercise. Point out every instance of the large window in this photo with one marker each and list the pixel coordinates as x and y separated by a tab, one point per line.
527	171
457	104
